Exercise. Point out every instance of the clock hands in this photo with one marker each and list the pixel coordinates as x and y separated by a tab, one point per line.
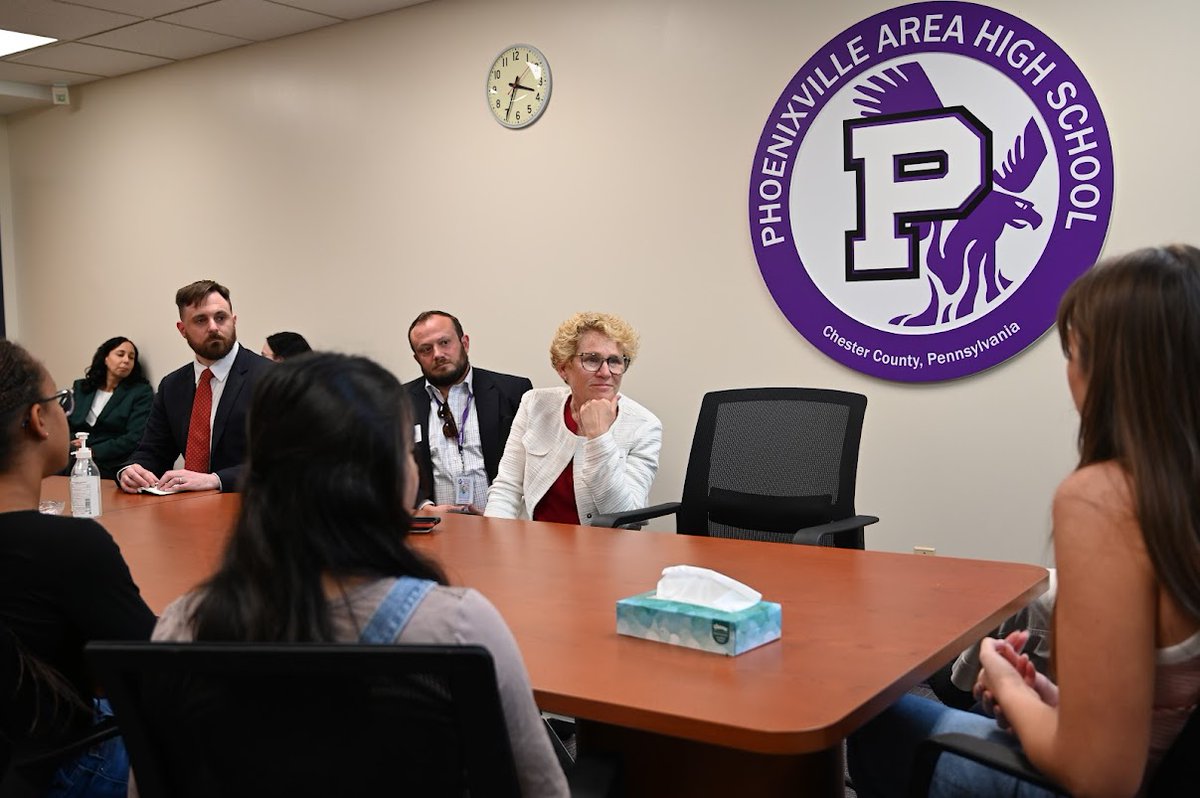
516	84
512	96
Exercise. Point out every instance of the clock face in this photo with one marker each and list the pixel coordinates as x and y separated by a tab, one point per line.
518	85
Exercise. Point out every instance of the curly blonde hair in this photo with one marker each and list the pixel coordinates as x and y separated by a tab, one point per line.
565	343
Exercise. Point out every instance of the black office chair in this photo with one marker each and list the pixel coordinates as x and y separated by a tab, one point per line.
775	464
42	723
235	719
1177	776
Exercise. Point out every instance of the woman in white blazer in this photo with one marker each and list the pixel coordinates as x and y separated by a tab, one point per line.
582	450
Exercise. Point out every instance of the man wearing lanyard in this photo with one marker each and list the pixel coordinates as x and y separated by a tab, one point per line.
462	416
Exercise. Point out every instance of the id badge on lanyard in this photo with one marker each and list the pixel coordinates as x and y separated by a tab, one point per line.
464	493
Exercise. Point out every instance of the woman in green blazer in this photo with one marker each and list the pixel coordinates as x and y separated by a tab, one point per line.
112	403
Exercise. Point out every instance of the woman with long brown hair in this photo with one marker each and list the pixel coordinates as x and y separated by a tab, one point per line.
1127	544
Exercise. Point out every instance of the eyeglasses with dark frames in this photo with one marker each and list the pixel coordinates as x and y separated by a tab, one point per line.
65	398
592	361
449	428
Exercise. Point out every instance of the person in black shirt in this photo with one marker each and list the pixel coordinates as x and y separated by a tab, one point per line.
63	581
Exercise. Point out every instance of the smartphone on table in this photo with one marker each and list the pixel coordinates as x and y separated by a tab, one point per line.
424	523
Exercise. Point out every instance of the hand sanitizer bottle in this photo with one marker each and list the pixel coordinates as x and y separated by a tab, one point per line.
85	482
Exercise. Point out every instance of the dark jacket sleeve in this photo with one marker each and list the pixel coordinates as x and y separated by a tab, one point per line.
157	450
231	478
130	423
418	402
83	403
512	389
229	447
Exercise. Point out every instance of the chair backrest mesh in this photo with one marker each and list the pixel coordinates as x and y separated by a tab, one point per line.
799	445
778	448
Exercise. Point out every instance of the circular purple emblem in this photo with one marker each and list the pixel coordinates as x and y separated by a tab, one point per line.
925	189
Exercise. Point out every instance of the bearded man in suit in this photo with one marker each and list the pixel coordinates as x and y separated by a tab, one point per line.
462	414
200	409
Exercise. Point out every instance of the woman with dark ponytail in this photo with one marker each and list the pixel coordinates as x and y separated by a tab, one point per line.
319	552
63	581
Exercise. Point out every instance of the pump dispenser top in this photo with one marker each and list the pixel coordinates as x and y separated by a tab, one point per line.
85	482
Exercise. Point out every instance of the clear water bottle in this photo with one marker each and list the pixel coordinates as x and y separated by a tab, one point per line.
85	482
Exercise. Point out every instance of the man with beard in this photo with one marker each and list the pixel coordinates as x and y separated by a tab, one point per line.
463	416
200	409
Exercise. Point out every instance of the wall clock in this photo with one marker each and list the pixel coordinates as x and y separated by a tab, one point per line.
518	86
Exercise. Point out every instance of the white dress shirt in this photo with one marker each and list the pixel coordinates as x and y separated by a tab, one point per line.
98	404
450	461
220	371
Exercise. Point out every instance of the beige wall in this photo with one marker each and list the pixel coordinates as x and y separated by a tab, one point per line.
343	180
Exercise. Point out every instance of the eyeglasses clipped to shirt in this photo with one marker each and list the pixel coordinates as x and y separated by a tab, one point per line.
449	428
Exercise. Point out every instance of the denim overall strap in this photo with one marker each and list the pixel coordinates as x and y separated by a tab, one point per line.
395	610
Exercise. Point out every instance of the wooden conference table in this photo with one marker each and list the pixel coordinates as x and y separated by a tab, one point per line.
859	630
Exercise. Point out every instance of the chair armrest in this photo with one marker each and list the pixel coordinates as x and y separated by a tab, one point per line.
987	753
635	516
811	536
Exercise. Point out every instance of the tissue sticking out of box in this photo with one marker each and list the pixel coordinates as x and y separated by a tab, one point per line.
706	588
702	609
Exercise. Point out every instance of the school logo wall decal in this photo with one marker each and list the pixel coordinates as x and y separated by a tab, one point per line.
925	189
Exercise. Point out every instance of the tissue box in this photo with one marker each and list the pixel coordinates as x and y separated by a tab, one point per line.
728	633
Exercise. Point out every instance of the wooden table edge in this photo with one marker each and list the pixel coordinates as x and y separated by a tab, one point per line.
790	741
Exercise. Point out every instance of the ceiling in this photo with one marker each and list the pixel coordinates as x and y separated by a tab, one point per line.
104	38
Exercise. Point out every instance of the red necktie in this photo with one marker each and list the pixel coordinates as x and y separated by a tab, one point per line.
195	456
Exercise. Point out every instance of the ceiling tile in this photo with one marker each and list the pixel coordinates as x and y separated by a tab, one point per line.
250	19
105	38
139	8
165	41
24	73
88	58
350	9
60	20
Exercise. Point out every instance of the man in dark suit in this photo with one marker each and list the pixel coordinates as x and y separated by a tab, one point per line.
462	415
200	409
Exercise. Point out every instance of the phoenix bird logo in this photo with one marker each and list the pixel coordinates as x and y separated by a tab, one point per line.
960	256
